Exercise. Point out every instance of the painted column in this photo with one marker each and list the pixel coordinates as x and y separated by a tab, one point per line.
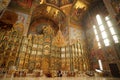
26	28
109	7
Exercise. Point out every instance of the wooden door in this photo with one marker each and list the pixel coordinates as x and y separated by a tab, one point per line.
114	70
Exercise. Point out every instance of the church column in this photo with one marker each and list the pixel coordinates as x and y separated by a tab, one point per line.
70	52
72	58
28	21
110	10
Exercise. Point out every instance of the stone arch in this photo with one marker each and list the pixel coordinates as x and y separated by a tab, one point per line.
47	14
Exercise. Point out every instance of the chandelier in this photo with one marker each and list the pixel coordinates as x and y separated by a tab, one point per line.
59	39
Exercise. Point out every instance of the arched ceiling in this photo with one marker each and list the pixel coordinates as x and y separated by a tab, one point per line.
48	14
25	5
53	11
60	3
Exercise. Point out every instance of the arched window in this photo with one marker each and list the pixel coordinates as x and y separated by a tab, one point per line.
104	30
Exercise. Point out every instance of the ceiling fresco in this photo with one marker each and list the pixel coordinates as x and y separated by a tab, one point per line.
51	12
47	14
21	5
60	3
78	11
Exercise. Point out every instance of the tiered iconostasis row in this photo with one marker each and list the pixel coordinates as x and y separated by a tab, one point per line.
36	51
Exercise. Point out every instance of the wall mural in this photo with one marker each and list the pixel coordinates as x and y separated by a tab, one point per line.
93	48
21	5
77	12
91	39
75	35
104	54
38	29
107	54
65	33
21	22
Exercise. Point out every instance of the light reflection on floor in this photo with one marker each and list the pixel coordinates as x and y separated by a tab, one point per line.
62	78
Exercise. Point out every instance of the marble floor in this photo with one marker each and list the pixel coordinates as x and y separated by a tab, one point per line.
62	78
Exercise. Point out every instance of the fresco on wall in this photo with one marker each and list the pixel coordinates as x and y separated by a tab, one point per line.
77	12
76	34
94	60
21	5
111	53
96	53
65	33
21	22
106	54
91	39
38	29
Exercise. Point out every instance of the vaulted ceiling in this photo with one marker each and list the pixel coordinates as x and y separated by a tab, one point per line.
57	11
53	12
26	5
